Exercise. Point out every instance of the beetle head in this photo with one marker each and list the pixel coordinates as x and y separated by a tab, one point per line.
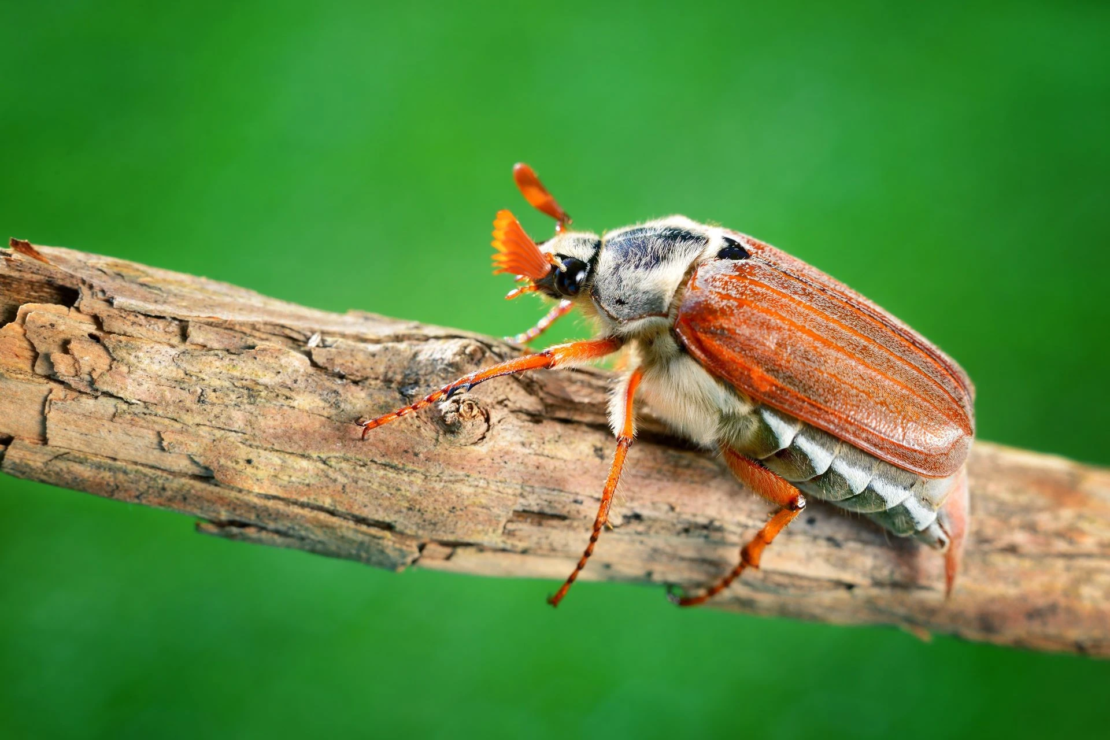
561	267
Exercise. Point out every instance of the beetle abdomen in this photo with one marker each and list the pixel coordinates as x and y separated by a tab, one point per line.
833	470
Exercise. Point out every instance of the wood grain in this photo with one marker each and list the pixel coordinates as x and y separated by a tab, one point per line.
179	392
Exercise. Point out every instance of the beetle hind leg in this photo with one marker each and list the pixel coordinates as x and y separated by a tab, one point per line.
771	487
953	520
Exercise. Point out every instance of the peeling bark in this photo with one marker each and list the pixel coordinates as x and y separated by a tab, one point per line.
183	393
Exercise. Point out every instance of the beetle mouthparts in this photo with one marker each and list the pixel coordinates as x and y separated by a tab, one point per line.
516	253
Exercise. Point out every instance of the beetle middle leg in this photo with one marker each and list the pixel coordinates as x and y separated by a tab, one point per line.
771	487
561	355
627	426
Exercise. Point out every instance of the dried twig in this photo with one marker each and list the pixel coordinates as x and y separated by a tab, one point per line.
179	392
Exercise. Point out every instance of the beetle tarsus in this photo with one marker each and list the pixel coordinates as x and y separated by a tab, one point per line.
771	487
675	594
624	441
552	357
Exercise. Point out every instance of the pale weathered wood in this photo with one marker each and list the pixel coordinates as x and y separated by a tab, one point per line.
183	393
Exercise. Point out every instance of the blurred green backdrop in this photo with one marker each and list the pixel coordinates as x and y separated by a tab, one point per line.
950	160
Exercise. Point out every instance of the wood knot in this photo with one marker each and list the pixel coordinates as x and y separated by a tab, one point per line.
475	352
465	421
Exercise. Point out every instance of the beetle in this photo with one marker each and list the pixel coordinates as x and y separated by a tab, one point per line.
803	385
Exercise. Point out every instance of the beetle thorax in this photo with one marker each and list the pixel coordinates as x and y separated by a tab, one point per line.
641	268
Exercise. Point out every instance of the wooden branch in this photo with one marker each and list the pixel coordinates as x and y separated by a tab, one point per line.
182	393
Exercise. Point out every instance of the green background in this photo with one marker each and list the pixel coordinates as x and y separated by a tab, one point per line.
950	161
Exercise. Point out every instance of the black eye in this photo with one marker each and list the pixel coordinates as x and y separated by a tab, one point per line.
732	250
569	282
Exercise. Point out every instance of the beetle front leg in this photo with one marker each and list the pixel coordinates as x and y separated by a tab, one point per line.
562	308
627	426
561	355
771	487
